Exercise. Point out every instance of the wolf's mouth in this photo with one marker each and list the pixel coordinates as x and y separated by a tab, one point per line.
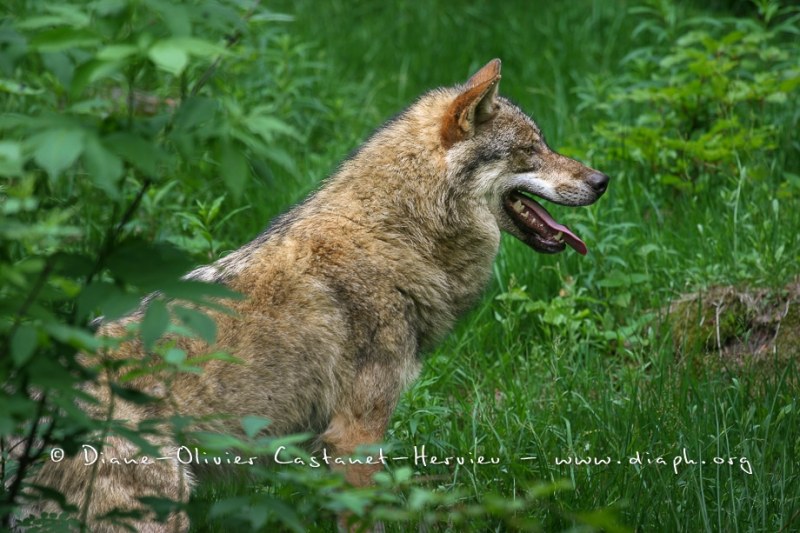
541	231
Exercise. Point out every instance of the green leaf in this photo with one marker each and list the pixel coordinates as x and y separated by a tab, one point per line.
176	17
119	304
619	279
92	297
75	337
162	507
165	264
92	71
61	65
116	52
15	87
217	441
143	154
555	316
154	323
196	47
269	16
229	506
252	424
169	57
44	21
12	206
777	98
130	394
63	38
106	8
58	149
200	323
267	127
602	520
544	489
621	299
195	111
281	157
104	167
200	292
61	15
73	264
234	168
112	301
10	158
23	343
175	356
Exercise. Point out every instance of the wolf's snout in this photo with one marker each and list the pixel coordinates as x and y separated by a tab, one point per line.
598	182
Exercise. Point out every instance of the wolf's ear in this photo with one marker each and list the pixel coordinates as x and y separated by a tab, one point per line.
475	105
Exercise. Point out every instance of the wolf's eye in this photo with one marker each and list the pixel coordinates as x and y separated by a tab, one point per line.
531	149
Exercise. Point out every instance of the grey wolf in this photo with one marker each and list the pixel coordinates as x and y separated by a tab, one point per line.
346	292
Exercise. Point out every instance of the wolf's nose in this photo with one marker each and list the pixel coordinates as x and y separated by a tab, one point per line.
598	181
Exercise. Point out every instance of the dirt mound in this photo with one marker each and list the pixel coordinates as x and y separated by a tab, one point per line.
739	325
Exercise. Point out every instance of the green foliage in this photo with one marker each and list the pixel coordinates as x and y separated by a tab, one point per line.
106	105
577	319
700	101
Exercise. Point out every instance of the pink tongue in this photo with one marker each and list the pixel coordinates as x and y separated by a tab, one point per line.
569	237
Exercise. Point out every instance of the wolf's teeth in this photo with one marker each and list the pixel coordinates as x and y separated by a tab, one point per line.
518	207
559	236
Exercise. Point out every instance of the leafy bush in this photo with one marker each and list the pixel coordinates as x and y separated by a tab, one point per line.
694	112
110	109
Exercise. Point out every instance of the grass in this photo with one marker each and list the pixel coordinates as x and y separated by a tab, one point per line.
605	382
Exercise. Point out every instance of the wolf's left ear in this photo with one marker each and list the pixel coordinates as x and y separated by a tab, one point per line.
475	105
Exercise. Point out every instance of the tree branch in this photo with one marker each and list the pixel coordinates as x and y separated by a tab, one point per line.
231	41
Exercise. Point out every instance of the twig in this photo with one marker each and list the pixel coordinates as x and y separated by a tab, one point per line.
3	460
27	457
25	460
96	466
778	327
113	232
791	521
37	288
719	341
232	40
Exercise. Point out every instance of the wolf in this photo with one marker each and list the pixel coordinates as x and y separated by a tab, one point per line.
347	291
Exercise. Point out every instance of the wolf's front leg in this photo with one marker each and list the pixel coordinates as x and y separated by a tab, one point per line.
345	434
361	419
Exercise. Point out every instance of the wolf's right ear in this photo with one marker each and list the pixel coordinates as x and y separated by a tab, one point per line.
476	104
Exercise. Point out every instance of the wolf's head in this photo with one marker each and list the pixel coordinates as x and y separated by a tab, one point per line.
501	152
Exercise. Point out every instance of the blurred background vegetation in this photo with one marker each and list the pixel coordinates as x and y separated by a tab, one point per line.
139	138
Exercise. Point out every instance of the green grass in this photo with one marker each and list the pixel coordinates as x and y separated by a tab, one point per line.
509	385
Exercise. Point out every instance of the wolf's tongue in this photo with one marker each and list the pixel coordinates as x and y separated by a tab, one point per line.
569	237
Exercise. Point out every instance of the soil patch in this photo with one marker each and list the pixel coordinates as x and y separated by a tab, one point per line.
739	325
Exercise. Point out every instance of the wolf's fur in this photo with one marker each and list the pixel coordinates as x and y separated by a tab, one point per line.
348	289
